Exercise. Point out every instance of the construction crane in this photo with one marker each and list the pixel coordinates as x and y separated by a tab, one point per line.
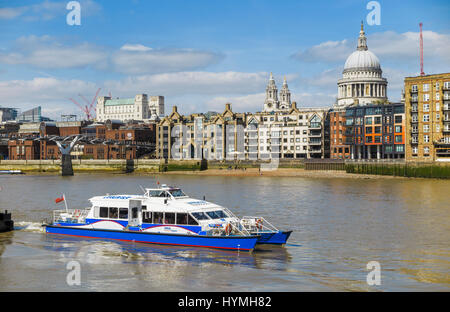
88	109
421	51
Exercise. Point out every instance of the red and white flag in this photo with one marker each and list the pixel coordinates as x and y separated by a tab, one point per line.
60	199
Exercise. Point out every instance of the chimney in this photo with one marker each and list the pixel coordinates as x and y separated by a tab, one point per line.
174	109
294	105
227	106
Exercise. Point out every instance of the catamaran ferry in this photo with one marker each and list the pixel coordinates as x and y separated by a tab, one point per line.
165	215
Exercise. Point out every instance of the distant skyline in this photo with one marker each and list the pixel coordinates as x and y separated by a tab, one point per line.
202	54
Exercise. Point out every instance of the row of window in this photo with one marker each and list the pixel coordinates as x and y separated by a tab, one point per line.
148	216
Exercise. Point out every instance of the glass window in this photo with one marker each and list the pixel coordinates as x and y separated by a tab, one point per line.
123	213
398	138
134	212
103	212
191	221
169	218
217	214
113	213
398	119
158	217
177	193
200	216
147	217
182	218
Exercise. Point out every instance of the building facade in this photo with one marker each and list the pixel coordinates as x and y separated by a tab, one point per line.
376	131
141	107
297	133
427	103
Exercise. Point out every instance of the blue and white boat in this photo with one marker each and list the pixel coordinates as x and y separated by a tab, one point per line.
165	215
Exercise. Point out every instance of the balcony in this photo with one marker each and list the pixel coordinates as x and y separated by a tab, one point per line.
315	125
446	107
446	129
315	142
414	99
414	109
315	134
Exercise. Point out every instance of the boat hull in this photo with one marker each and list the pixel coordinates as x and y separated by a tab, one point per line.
238	243
273	238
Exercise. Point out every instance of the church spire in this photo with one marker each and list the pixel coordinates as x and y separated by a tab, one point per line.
362	40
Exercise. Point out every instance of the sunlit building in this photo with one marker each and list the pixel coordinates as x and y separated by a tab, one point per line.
427	103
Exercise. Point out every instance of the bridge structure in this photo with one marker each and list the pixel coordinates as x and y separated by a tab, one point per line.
67	143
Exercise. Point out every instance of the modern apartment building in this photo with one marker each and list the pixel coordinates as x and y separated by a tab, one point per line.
376	131
427	103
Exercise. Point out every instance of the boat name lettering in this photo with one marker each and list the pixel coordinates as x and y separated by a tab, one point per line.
116	197
200	202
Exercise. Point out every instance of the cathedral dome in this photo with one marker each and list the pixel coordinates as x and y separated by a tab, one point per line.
362	60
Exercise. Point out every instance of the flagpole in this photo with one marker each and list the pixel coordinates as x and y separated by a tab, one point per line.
65	202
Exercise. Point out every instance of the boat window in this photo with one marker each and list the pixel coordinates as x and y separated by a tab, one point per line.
96	212
123	213
217	214
113	213
155	193
158	217
103	212
147	216
134	212
199	215
192	221
144	207
182	218
177	193
159	193
169	218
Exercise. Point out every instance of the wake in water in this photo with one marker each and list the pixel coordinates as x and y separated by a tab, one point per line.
29	226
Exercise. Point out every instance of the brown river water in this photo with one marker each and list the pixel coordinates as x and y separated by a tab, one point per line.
339	225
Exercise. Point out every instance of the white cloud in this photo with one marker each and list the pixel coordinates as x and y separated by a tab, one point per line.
11	13
135	47
44	52
138	59
183	83
388	46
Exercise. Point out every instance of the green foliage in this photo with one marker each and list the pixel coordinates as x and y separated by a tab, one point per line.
403	170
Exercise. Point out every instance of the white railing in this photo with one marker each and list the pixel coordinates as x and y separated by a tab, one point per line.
70	215
257	224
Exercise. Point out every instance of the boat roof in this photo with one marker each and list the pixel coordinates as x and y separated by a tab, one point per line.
179	204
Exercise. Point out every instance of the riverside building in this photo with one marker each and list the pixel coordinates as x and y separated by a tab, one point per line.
141	107
427	103
280	131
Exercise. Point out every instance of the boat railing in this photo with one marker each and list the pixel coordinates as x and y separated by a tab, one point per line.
70	215
257	224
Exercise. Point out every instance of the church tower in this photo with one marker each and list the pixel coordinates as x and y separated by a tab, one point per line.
271	103
285	96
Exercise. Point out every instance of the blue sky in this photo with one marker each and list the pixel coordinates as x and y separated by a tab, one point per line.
202	54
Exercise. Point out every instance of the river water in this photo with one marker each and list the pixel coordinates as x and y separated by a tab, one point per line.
339	225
